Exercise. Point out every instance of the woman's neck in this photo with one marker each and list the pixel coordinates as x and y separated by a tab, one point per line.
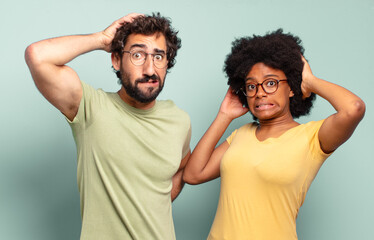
274	127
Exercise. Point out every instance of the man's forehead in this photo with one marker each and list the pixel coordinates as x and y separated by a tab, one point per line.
149	42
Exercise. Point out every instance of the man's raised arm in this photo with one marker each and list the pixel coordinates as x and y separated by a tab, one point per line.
58	83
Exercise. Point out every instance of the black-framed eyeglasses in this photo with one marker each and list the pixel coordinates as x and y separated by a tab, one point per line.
269	86
138	58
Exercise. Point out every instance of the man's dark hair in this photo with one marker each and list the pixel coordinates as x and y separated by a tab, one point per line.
148	25
276	50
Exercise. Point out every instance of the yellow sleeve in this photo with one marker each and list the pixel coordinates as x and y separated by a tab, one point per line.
231	137
316	149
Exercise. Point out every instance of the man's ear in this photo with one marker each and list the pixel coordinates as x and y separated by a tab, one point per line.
116	61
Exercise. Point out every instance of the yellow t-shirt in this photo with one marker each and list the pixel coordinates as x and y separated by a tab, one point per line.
264	183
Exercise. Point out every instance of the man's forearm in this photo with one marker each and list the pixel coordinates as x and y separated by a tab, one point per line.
61	50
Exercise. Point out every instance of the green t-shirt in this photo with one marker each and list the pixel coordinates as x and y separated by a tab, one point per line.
126	160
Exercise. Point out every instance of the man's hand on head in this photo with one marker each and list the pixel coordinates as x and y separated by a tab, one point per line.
108	34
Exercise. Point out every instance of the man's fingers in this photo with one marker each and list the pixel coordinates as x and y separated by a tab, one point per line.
129	18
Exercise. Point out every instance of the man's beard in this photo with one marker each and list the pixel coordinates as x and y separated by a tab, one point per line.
136	93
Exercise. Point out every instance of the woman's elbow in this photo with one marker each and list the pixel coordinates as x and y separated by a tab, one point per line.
357	109
190	179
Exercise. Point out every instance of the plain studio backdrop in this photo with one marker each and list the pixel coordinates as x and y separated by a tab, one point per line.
38	191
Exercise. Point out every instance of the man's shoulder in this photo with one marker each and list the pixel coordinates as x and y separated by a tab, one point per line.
97	96
88	89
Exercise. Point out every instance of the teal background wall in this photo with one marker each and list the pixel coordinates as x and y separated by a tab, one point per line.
38	191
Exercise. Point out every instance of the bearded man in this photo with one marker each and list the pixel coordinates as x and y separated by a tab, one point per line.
131	148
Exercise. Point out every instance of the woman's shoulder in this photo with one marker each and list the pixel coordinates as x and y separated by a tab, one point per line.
248	126
313	124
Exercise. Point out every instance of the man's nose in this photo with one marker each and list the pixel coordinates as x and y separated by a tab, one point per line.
148	66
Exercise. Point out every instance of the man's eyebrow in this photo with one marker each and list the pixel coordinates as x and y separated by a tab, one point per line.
159	50
137	45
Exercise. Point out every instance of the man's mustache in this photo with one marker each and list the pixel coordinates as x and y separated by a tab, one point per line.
147	78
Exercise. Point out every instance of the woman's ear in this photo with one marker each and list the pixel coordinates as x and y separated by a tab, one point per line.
291	94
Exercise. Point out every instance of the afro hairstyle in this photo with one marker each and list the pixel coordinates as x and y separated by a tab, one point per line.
277	50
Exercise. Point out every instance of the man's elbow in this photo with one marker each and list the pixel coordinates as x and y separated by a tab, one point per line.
31	55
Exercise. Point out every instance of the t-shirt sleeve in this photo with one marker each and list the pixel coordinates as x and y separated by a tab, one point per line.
315	145
85	110
231	137
186	146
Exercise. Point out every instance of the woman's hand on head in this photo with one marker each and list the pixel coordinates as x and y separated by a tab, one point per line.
231	105
307	76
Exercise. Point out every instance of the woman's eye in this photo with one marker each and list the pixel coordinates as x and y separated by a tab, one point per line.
271	83
251	87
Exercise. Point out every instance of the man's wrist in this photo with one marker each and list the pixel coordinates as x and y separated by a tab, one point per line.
101	40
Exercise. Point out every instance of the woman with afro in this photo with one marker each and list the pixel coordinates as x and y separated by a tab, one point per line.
267	166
